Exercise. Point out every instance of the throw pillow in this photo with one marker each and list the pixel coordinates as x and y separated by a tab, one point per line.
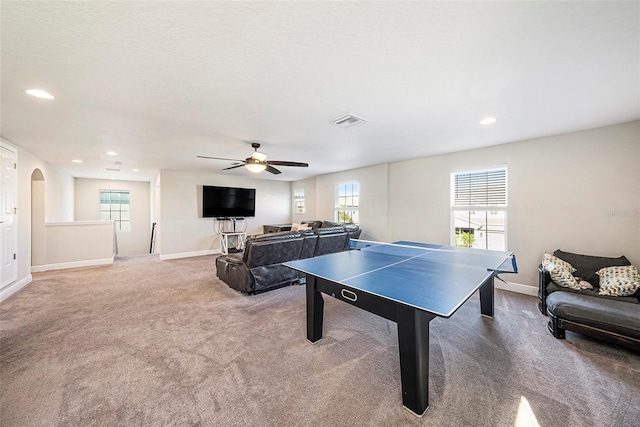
583	283
549	262
619	281
564	278
587	265
295	226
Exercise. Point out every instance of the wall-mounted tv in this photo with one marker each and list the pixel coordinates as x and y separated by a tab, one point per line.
221	202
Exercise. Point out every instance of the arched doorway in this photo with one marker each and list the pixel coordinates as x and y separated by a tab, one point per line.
38	231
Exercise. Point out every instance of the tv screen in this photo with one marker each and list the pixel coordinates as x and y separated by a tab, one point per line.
219	202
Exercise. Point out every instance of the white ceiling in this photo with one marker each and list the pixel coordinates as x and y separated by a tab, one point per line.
161	82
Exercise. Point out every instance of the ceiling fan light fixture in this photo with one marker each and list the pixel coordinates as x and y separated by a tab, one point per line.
261	157
255	165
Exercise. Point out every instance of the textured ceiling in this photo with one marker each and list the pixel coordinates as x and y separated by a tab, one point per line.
162	82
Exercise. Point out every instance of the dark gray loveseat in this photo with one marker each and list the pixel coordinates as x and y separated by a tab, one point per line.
259	267
614	319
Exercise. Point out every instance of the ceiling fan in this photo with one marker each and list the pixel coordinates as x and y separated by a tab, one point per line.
258	162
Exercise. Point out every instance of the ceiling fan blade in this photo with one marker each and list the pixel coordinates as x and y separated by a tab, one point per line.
233	167
273	170
220	158
283	163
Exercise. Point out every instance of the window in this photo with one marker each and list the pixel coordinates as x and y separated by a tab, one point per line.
347	201
479	209
115	205
298	201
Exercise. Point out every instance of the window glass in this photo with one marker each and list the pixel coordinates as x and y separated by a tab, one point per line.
115	205
347	203
479	209
298	201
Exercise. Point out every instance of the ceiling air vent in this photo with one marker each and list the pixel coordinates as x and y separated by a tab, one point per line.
348	121
113	170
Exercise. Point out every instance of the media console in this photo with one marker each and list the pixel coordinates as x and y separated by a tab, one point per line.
228	227
240	238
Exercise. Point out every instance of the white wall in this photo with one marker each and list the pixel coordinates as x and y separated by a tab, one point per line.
59	195
87	208
79	244
182	230
579	192
38	230
374	197
309	187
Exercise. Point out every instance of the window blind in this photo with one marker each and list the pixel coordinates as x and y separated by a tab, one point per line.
481	188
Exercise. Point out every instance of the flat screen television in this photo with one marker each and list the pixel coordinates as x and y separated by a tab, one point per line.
221	202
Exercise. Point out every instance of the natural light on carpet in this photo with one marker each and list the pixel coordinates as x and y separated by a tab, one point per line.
525	416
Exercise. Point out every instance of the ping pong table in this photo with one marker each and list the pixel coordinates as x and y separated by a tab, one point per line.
408	283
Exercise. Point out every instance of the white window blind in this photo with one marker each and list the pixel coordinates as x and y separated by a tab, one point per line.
480	188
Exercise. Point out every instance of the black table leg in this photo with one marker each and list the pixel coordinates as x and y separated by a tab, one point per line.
315	309
413	343
486	297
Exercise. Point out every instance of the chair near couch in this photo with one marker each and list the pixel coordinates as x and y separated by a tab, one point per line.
614	319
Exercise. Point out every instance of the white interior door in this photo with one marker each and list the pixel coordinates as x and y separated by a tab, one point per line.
8	214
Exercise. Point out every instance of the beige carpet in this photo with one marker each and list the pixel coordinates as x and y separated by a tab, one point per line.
150	343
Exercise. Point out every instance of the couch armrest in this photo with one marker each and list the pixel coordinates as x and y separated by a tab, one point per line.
232	258
544	278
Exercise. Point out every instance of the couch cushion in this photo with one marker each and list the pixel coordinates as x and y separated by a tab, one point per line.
552	287
276	251
329	230
280	235
587	265
615	316
330	240
326	224
619	281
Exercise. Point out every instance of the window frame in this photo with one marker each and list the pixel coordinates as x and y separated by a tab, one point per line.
297	200
486	208
117	222
352	209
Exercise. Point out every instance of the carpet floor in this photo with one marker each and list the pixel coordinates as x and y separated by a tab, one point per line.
145	342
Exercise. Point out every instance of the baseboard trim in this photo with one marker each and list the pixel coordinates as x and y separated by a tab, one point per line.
9	290
164	257
516	287
73	264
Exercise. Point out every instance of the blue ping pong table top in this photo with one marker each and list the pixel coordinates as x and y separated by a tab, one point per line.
434	278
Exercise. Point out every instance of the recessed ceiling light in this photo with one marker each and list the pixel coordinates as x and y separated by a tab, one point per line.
488	120
76	161
111	153
39	93
136	170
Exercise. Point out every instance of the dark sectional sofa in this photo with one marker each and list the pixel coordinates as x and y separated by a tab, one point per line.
610	318
259	267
